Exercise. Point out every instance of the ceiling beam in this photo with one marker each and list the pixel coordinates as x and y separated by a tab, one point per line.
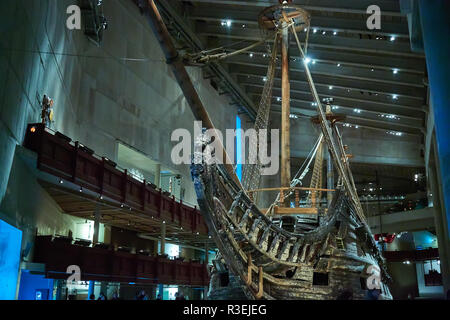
303	95
388	7
329	41
372	93
403	64
346	25
342	71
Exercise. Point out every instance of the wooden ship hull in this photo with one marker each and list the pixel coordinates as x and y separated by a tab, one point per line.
272	263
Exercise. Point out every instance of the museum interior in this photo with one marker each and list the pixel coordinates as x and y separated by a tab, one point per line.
105	106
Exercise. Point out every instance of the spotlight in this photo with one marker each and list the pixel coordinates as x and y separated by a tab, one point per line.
81	189
392	38
334	33
330	87
307	60
60	181
315	30
395	71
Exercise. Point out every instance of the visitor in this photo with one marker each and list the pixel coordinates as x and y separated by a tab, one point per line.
179	296
115	296
159	297
92	296
102	296
142	295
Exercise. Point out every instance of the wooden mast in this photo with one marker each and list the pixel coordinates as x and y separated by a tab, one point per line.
285	109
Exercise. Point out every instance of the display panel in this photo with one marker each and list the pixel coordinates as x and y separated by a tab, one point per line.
10	244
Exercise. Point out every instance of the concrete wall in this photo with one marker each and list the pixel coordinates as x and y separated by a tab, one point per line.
102	95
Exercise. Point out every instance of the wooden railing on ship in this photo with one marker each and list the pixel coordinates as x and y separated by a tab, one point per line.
286	192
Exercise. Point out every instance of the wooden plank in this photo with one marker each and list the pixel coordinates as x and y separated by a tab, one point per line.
281	210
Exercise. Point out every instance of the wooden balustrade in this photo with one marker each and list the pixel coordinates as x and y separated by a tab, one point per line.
77	164
115	266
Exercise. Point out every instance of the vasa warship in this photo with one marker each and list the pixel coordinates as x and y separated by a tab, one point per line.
297	247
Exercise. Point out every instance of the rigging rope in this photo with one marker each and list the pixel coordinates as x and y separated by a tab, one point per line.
252	169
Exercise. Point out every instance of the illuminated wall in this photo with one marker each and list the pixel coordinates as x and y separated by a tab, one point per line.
10	245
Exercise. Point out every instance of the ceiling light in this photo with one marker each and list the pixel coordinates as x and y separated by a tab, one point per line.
251	55
338	64
330	87
392	38
228	23
323	32
394	96
315	30
278	99
395	71
264	79
307	60
334	33
314	61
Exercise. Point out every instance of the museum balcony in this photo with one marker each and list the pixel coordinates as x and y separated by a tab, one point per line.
83	184
100	263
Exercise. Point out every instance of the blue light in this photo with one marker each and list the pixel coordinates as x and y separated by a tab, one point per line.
238	148
10	245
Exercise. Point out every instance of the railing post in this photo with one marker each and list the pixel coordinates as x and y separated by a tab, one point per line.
102	175
160	205
75	162
124	186
172	212
297	198
144	194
